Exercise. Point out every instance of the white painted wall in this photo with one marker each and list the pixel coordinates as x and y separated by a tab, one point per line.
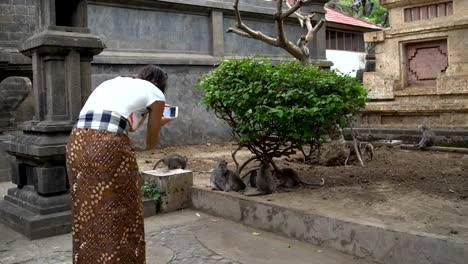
347	62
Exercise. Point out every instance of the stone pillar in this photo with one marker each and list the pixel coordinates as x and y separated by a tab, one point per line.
319	45
61	50
217	33
13	91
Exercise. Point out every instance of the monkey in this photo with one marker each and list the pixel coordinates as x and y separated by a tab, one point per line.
368	151
263	181
226	180
427	139
289	179
368	9
218	180
253	178
355	6
302	44
173	161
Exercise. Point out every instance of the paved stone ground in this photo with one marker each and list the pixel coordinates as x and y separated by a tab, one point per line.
182	237
185	246
165	244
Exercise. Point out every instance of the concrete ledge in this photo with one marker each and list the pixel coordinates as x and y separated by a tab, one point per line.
362	239
439	149
444	137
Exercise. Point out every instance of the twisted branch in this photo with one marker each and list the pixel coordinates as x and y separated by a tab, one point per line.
299	50
245	30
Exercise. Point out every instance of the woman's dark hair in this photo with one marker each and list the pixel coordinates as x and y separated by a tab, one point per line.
154	75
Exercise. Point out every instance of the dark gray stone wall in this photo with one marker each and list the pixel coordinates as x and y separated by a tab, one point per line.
13	92
16	21
150	30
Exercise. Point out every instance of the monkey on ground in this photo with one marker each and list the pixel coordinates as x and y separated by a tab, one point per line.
427	139
226	180
368	151
173	162
289	179
263	181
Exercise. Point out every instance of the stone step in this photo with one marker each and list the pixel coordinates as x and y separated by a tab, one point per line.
372	241
32	225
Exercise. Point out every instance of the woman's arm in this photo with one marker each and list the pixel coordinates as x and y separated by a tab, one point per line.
155	122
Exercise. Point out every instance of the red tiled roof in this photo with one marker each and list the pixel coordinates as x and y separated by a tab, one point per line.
341	18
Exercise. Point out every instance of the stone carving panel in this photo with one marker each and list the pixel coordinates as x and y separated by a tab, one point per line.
426	61
13	91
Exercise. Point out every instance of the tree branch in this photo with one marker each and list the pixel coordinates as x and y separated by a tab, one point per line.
245	164
355	143
293	9
238	32
300	17
252	33
234	157
313	30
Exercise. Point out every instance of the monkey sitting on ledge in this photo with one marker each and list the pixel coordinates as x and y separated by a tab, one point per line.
428	138
226	180
173	162
368	151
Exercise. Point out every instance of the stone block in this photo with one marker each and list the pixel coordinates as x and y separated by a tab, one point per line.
21	10
19	2
175	188
32	225
29	199
50	180
371	37
150	207
452	84
5	161
379	87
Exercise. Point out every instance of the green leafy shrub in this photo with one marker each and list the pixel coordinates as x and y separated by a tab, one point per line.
151	191
274	109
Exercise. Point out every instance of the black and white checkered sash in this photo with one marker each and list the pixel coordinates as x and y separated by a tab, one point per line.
104	120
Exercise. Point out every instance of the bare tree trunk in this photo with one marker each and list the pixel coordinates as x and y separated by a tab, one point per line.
355	143
298	50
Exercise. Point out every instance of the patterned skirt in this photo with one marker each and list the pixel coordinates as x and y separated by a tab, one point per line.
106	202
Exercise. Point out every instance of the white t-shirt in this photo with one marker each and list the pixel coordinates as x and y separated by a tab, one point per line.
123	95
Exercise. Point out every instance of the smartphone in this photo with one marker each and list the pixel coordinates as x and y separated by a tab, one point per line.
171	111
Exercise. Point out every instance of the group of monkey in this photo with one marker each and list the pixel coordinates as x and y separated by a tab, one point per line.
224	179
262	178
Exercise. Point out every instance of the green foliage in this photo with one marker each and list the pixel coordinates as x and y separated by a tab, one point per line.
377	15
289	102
151	190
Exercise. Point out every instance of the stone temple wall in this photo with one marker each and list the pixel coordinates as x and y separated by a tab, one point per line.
16	22
186	38
421	72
